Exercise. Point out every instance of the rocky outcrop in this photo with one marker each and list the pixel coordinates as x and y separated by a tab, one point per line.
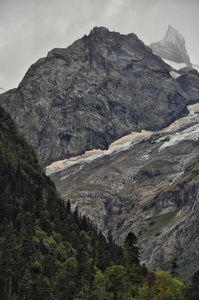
147	183
172	47
97	90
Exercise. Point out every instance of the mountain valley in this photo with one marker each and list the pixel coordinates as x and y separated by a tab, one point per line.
116	128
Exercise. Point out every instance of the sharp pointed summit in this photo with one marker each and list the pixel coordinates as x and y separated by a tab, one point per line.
172	47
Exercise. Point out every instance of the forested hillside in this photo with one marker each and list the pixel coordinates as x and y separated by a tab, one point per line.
45	249
49	252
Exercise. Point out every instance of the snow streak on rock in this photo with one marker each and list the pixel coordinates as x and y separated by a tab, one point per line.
185	128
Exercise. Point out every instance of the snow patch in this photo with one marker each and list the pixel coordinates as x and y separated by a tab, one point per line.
145	156
122	144
174	65
189	134
176	177
188	127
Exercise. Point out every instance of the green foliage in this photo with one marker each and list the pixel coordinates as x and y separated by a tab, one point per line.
65	279
49	252
7	258
134	277
163	286
116	281
99	286
37	287
43	244
131	253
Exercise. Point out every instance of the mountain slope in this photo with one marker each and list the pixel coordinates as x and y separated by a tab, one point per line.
92	93
43	244
143	183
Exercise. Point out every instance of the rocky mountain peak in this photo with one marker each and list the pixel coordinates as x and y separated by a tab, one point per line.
101	88
90	94
172	34
99	30
172	47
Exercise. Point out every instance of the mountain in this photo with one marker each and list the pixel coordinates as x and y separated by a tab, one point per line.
49	252
146	183
172	47
93	95
99	89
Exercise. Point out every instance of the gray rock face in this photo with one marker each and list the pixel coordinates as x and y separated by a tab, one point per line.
172	47
147	183
86	96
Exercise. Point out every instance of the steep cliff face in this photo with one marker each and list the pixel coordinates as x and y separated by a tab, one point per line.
172	47
146	183
86	96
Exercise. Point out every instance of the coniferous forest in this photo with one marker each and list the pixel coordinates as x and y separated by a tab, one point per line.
48	251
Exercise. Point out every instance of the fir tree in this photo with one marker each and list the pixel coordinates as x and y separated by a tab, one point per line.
134	277
37	287
8	248
192	292
174	267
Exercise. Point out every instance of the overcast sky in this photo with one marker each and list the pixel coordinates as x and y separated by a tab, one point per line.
31	28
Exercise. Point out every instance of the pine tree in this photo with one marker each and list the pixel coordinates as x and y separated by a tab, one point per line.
193	289
37	287
68	207
99	286
26	250
115	281
132	265
174	267
66	280
131	253
8	248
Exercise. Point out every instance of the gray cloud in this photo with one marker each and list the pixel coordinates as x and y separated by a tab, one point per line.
31	28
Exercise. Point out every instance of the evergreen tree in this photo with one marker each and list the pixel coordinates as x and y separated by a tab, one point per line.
50	266
8	248
99	286
115	281
65	281
134	277
110	238
131	253
26	251
68	207
174	267
76	215
192	292
37	287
